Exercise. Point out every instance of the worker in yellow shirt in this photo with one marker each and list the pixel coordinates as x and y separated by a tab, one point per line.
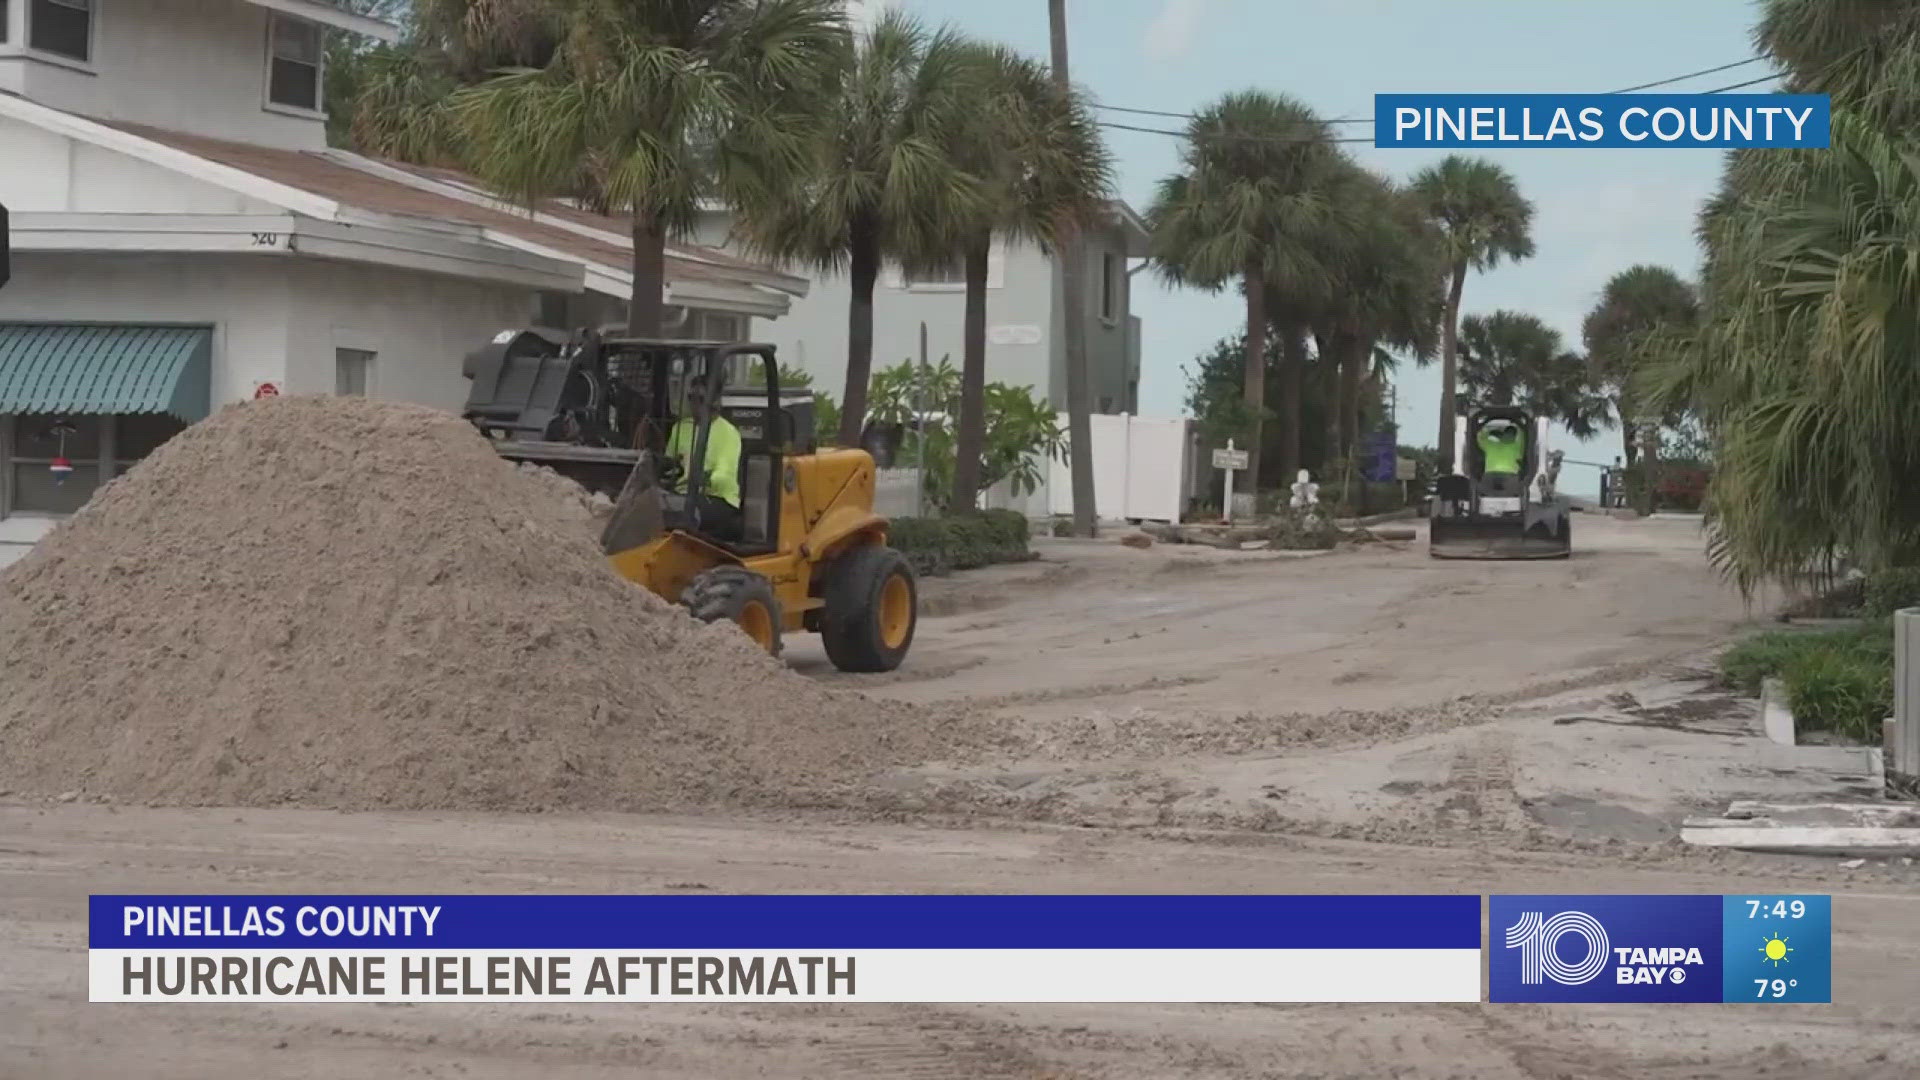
1502	447
718	505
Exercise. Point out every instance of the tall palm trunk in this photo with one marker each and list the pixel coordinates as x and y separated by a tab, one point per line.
972	436
1449	360
1073	298
646	303
1358	378
1649	467
1329	349
1356	355
1327	367
863	250
1349	357
1293	366
1629	432
1254	372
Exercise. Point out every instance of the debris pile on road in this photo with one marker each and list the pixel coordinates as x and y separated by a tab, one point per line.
339	602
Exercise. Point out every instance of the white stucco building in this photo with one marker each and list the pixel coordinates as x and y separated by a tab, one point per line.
1026	315
183	237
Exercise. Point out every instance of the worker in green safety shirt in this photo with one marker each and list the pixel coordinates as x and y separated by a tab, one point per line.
719	500
1502	447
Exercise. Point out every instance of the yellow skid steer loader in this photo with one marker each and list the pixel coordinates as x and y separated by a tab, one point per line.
722	501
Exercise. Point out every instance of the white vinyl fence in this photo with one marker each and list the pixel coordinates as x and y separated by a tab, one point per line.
1142	469
896	492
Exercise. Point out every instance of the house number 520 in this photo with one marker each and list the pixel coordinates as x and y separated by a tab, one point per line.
266	239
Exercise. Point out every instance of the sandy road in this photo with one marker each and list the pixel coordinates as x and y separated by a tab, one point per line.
1374	693
1167	688
52	858
1381	627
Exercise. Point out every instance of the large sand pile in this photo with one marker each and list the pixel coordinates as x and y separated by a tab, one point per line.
339	602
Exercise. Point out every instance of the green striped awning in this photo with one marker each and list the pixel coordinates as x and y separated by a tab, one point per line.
105	368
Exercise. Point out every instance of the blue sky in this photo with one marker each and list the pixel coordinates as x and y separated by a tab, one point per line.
1597	211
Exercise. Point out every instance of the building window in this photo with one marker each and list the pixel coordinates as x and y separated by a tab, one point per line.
61	27
293	70
719	326
36	442
135	436
951	273
352	372
553	311
99	448
1110	287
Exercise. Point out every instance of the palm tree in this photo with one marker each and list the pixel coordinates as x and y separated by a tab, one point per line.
641	109
1643	312
1803	368
1865	53
400	101
1483	219
1072	262
1249	206
1386	291
877	185
1039	159
1508	358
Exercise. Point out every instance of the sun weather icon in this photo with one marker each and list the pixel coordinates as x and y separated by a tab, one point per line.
1775	949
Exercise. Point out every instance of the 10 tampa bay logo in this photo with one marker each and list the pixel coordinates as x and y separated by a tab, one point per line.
1605	948
1538	938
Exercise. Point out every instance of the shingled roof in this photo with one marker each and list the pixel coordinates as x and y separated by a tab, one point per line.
447	196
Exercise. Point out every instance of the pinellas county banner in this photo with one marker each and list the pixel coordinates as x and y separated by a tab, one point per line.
946	948
1646	121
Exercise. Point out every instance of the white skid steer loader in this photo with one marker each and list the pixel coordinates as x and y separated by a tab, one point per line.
1500	501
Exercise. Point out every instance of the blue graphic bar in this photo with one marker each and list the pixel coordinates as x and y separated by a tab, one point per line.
1519	121
1611	948
784	922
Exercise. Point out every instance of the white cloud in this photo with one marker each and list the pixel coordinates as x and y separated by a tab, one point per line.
1170	34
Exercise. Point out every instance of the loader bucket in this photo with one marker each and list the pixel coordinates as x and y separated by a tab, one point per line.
639	514
1546	536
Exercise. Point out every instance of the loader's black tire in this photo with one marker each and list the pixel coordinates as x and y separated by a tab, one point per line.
737	595
872	609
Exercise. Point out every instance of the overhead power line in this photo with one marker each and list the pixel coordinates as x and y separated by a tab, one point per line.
1225	135
1695	75
1669	81
1738	85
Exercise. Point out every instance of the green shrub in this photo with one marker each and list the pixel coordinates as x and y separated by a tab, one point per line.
1887	591
923	542
939	545
1837	680
1761	657
1838	690
1766	656
1010	526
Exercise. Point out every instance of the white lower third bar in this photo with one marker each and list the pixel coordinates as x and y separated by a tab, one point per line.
869	975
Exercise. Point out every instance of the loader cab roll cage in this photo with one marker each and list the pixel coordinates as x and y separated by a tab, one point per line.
1499	485
590	405
767	437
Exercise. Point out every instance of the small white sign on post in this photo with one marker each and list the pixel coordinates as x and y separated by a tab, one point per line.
1229	461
